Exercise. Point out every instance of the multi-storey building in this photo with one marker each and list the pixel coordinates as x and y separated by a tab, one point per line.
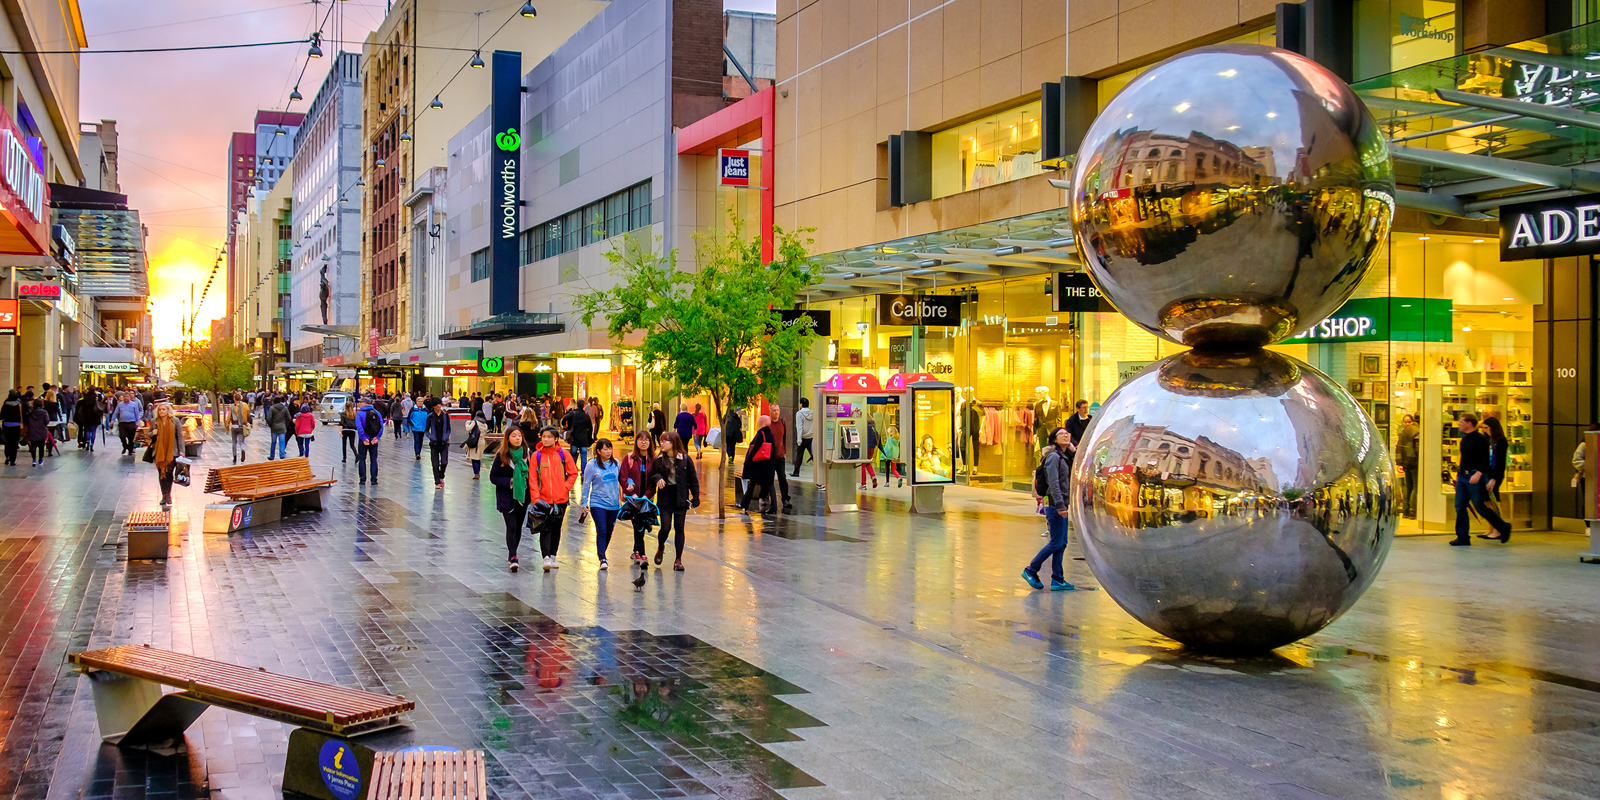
927	144
413	59
265	240
256	161
325	279
107	288
97	155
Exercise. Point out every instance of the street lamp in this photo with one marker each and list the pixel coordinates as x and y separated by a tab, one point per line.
436	103
476	62
528	10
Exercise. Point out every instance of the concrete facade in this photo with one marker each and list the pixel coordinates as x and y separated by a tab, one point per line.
327	164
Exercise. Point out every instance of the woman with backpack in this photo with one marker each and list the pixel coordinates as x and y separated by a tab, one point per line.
437	430
512	489
677	487
554	474
477	440
238	427
631	474
1056	480
602	495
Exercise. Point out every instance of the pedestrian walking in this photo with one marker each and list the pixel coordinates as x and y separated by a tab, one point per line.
1407	455
732	434
127	414
780	444
369	425
804	422
658	421
498	415
757	470
870	447
1496	474
417	423
36	428
305	430
1052	481
701	427
891	456
12	417
529	423
88	415
579	429
280	423
438	434
677	486
238	427
631	476
683	424
1470	484
509	474
602	495
347	433
555	473
477	438
166	445
596	414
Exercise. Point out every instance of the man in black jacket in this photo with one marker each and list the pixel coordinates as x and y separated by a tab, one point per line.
579	428
1470	488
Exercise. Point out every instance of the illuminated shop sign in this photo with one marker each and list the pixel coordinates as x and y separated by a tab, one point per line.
39	291
1382	319
1075	292
505	180
8	317
108	366
467	371
821	322
905	309
583	365
1568	226
733	167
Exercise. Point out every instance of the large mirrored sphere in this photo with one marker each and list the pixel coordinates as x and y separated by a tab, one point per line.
1231	195
1234	502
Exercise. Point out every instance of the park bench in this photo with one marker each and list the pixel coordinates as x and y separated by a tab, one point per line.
262	492
441	774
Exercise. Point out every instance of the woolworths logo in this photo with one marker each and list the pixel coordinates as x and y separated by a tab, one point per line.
509	140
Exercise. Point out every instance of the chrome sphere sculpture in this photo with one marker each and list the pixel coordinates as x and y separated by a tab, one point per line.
1230	497
1231	195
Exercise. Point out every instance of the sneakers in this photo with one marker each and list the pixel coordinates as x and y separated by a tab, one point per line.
548	563
512	563
1032	578
861	488
1460	542
604	565
1061	586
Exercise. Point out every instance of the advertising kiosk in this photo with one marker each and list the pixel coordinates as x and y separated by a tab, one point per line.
849	402
929	446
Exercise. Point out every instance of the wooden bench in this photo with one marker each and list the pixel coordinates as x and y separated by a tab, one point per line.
262	492
133	710
432	774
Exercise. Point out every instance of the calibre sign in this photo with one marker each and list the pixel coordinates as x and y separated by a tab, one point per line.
1568	226
905	309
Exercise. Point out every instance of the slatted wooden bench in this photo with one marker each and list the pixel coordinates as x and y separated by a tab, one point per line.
143	521
148	533
133	711
265	479
430	774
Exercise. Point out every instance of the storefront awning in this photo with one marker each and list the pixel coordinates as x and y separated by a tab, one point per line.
508	326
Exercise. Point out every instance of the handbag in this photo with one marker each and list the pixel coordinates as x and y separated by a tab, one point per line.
150	453
537	511
180	471
764	453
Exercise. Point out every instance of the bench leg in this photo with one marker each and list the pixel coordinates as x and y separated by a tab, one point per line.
133	712
327	767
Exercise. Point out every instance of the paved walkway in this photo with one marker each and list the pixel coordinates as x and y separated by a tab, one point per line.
807	657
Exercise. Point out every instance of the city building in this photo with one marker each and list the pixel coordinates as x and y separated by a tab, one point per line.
97	155
915	142
39	130
750	63
416	85
324	305
600	157
256	161
106	291
265	241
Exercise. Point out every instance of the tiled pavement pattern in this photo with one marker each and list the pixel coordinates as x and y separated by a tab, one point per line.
870	655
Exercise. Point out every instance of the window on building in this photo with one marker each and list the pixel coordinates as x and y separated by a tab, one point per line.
480	265
995	149
613	215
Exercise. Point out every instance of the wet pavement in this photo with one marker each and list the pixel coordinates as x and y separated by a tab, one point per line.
867	655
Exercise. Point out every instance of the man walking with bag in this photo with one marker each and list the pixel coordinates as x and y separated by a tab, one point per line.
369	427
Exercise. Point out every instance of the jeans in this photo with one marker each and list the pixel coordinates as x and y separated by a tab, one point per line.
303	443
1473	493
800	454
699	442
416	439
514	519
1054	549
439	456
1409	502
364	452
671	515
580	455
278	447
550	530
237	434
605	520
348	438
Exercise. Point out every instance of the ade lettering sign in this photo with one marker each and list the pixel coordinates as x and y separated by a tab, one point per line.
1567	226
905	309
505	181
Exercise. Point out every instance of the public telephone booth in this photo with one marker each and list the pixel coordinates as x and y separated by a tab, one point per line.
849	402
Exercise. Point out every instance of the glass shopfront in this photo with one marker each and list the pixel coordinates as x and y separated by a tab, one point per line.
1439	327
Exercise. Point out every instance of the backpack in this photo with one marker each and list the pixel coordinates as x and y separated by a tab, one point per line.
472	438
1041	481
372	425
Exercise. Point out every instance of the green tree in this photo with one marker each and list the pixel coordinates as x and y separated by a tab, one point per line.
214	366
714	330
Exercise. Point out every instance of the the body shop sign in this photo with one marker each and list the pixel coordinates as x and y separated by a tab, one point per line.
1567	226
24	195
1382	319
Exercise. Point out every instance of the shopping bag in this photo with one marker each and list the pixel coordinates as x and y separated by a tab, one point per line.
714	438
180	471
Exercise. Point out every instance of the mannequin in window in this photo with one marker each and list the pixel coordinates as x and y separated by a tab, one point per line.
974	423
1045	414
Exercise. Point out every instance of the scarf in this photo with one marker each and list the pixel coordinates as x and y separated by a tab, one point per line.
519	475
166	442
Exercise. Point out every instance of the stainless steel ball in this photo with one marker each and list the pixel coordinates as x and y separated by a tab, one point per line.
1235	502
1231	195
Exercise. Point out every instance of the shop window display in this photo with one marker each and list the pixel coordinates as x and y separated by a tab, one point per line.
999	148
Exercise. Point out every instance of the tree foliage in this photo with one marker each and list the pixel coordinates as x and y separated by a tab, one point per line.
214	366
714	330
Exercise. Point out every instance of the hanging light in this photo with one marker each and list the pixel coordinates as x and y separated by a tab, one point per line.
528	10
476	62
317	224
278	132
295	95
436	103
405	136
378	163
316	46
360	182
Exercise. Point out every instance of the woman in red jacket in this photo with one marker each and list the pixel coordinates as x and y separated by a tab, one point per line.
553	475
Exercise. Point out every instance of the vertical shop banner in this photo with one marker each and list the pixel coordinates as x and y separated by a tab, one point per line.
505	181
8	317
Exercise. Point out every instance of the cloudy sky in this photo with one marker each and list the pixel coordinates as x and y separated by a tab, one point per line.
174	112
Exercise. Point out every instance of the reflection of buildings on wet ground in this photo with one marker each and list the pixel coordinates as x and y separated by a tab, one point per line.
879	654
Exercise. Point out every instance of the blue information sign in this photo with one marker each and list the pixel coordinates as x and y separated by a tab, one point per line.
339	768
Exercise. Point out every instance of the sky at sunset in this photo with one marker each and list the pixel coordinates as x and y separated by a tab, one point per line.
174	112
